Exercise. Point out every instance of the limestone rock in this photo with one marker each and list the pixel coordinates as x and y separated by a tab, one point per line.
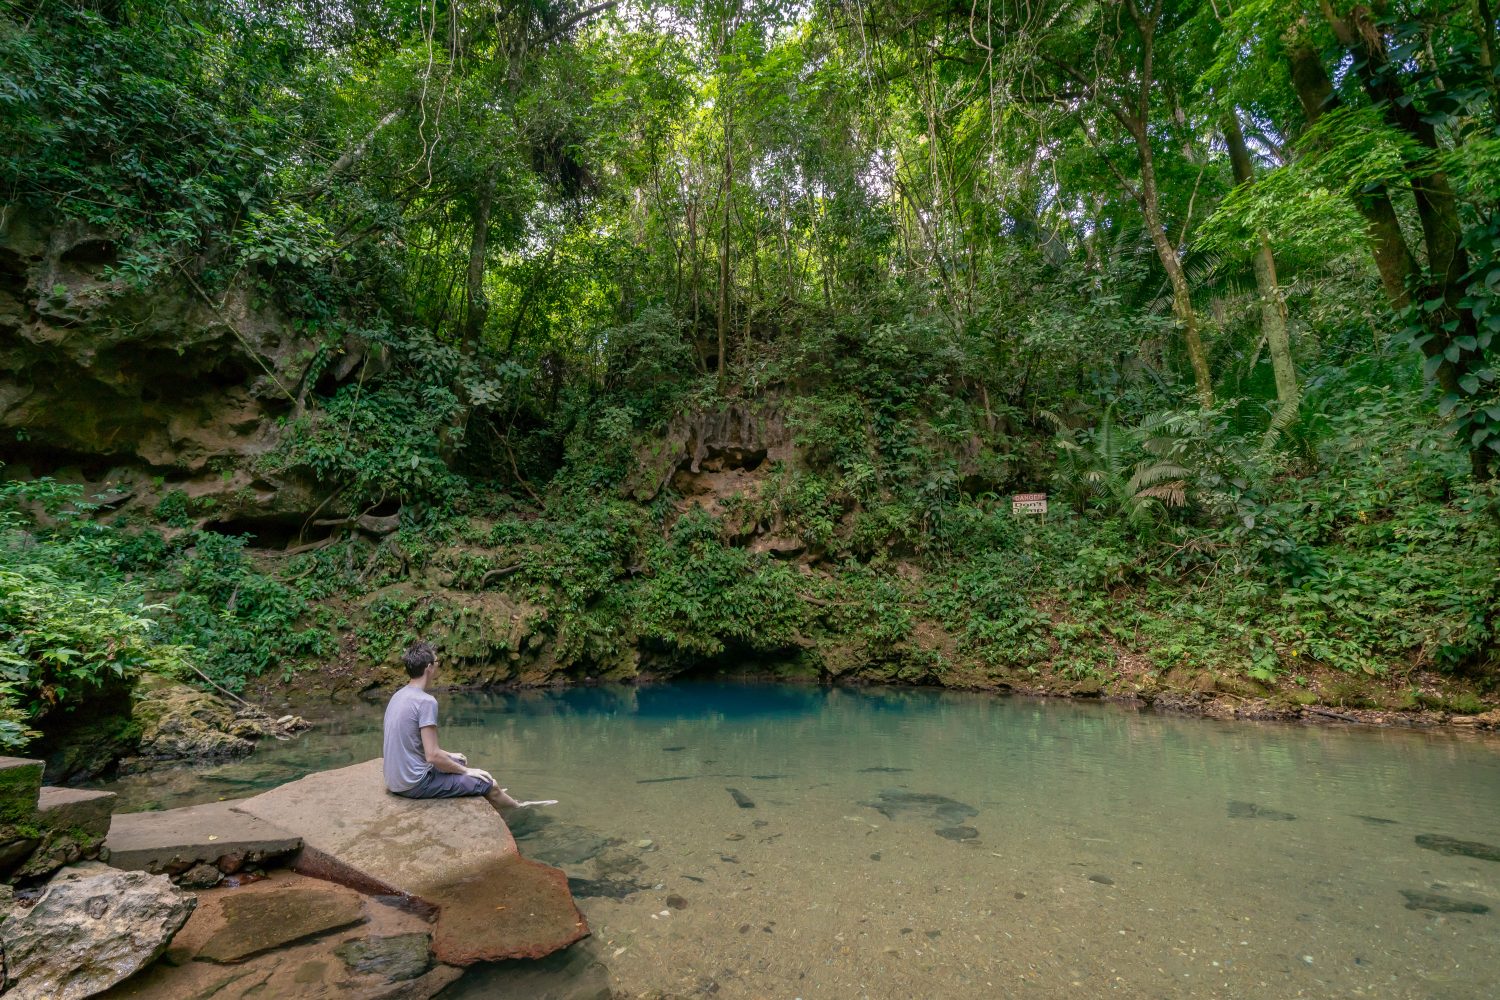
73	822
84	935
148	378
178	722
181	722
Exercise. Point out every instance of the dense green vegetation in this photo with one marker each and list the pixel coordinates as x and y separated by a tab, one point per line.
1223	279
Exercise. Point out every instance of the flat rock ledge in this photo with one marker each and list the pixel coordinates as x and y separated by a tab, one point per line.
214	837
453	857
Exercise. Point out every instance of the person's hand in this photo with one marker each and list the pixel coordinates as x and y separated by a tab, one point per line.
475	772
459	757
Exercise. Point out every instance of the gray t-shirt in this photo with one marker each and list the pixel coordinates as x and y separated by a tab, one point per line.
406	765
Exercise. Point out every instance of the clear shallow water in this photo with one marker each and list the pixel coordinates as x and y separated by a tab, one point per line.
1086	849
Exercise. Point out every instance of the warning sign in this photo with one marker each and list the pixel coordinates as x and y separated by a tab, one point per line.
1029	503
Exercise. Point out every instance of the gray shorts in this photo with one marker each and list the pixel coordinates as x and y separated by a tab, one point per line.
436	784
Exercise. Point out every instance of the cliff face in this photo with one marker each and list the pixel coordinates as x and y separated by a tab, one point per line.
146	389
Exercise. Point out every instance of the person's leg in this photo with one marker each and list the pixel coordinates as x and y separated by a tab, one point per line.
438	785
500	798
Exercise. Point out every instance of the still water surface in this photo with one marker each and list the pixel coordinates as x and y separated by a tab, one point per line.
934	844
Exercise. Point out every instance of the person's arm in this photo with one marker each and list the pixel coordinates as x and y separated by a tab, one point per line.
439	758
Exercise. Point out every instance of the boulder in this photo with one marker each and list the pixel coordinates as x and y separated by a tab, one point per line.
181	722
178	722
455	857
86	934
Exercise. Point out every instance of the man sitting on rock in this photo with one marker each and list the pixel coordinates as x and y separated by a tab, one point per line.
415	766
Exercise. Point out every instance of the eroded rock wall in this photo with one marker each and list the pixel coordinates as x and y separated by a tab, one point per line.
162	386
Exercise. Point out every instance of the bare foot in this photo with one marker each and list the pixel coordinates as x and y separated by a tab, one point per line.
511	803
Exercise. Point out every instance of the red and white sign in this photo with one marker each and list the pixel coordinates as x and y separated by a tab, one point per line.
1028	503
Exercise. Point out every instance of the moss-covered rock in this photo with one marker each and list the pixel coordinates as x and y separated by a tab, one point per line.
178	722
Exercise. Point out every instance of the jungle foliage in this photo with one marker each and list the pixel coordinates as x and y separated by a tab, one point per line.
1221	277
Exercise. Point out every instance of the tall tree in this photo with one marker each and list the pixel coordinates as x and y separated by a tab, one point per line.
1273	311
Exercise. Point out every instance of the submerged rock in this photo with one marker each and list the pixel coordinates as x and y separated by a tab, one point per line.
267	920
86	934
1375	820
1249	810
396	958
1462	848
740	798
603	888
563	843
892	803
957	832
1438	903
617	862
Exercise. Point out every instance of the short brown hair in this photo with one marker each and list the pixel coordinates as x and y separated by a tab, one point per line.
418	657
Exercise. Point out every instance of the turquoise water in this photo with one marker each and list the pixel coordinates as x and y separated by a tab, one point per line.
931	844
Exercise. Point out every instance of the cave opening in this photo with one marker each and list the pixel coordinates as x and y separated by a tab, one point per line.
95	253
272	533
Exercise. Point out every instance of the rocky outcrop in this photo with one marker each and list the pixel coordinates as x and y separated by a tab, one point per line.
141	390
89	932
178	722
73	823
712	450
255	924
154	721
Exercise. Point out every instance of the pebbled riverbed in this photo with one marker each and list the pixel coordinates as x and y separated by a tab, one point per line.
771	841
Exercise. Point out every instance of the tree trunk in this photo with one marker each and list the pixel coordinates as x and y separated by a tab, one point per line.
479	304
1400	273
1273	312
727	195
1393	258
692	227
1182	293
1137	123
1484	26
1442	283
